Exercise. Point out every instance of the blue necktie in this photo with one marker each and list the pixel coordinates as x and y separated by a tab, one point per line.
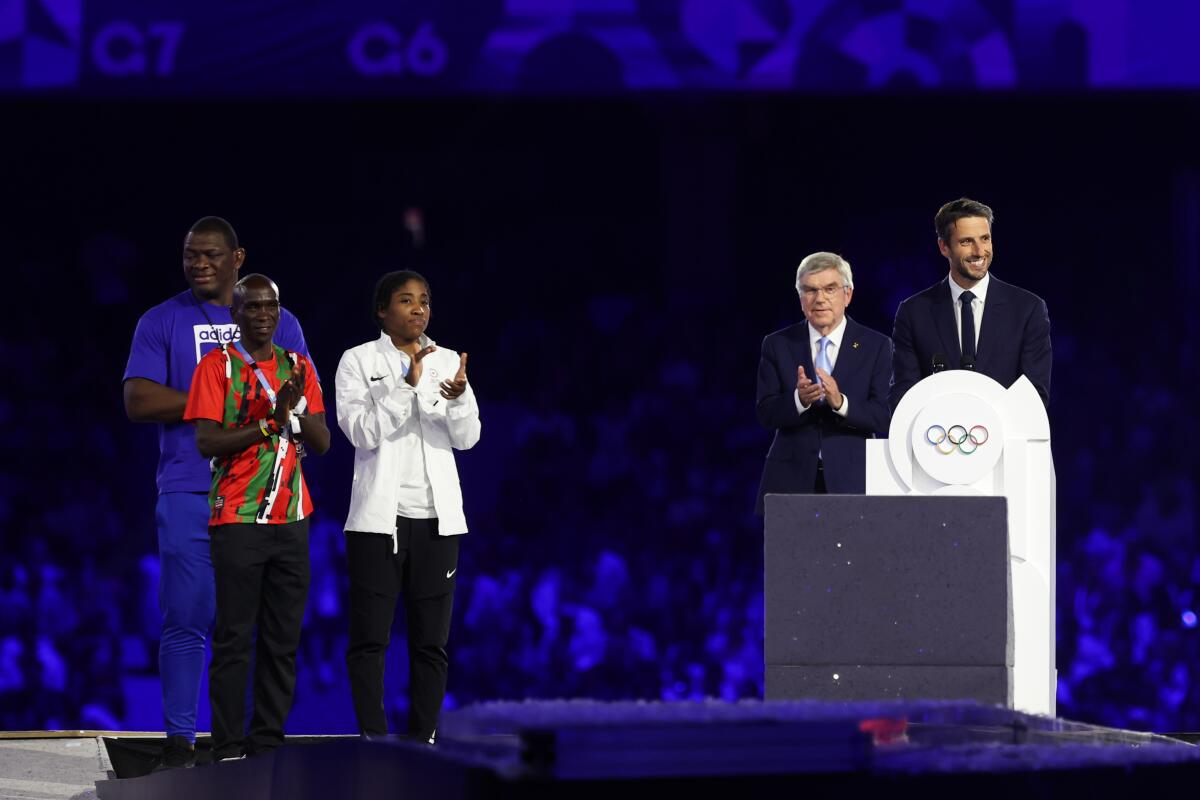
822	362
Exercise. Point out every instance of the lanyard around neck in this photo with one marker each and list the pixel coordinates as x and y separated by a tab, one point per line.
262	379
208	319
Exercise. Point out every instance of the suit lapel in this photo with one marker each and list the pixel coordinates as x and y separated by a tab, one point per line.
848	358
993	316
802	351
943	319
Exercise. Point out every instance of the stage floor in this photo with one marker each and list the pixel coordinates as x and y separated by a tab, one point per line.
52	765
930	749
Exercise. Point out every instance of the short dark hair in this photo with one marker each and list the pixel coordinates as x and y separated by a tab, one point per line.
958	209
216	225
387	286
255	280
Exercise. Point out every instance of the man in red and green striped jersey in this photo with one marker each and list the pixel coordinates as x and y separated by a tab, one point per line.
256	408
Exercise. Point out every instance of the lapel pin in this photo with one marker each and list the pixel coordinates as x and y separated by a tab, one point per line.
854	345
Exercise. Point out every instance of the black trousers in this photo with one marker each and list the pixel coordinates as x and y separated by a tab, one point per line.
423	571
262	575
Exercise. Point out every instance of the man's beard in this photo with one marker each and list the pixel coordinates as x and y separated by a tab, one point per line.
964	270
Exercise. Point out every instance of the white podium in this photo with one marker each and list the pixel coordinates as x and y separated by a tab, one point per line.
960	433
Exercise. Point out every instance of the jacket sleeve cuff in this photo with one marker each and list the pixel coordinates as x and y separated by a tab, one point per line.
398	402
800	407
460	407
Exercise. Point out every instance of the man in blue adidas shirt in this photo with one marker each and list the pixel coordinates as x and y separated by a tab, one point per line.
169	341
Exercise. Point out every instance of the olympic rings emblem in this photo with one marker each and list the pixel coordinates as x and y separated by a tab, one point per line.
957	437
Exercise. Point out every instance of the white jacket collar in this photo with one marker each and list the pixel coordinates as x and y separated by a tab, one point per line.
385	345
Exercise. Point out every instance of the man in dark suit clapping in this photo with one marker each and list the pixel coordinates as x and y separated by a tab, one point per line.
822	387
971	319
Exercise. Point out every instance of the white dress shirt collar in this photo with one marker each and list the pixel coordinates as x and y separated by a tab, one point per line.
980	289
835	338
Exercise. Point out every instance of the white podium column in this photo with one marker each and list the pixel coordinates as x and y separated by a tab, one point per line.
959	432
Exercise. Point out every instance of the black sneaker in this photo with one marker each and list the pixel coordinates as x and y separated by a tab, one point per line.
423	738
179	753
236	754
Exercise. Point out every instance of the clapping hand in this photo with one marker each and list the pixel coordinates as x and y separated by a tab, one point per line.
454	388
415	369
810	391
289	394
833	395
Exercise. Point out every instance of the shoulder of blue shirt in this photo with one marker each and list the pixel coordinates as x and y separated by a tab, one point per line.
184	301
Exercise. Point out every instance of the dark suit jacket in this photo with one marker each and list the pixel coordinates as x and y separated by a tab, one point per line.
1014	337
864	364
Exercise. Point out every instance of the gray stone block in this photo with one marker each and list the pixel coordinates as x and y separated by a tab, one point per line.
892	581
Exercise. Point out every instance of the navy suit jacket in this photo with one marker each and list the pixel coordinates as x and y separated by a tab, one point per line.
1014	337
864	365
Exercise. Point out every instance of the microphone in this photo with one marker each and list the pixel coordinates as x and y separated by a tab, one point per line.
939	362
967	363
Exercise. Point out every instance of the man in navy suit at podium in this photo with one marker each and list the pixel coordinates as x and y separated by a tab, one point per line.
822	387
970	319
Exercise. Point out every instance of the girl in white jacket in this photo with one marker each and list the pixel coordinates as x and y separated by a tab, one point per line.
403	402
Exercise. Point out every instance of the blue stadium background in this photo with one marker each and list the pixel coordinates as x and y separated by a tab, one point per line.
615	196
